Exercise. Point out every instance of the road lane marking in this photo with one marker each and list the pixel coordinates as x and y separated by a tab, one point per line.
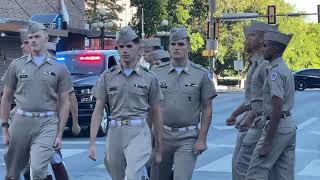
312	169
299	150
315	132
101	166
66	153
223	164
223	127
86	142
307	123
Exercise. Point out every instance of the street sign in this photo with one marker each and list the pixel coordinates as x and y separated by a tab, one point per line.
238	65
237	16
209	53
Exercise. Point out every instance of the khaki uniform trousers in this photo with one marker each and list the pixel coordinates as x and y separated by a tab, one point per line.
240	137
30	137
248	145
178	151
128	149
281	159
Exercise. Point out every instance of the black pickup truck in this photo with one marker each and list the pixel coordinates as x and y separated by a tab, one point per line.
85	67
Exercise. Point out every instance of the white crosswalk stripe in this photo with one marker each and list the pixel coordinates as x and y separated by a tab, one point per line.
312	169
221	165
218	165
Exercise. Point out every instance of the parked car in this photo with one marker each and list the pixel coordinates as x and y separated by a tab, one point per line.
85	66
307	78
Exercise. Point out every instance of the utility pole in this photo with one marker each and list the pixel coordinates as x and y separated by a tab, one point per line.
212	43
142	22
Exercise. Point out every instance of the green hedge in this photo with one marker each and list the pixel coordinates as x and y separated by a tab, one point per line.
228	82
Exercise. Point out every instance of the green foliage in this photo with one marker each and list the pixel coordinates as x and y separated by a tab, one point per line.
152	14
303	51
113	9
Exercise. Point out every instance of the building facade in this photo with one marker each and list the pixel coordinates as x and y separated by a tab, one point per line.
14	16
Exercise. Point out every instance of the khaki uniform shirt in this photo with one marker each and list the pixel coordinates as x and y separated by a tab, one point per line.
128	97
279	83
258	78
184	93
247	86
37	87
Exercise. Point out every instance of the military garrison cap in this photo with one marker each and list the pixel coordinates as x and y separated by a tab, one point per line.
160	54
126	35
178	33
278	37
148	43
35	27
23	34
258	26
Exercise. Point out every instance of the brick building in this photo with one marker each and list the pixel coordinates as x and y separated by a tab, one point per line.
15	13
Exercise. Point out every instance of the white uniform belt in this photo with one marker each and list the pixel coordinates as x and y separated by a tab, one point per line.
131	122
181	129
35	114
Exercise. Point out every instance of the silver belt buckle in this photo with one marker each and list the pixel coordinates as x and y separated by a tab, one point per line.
35	114
173	129
124	123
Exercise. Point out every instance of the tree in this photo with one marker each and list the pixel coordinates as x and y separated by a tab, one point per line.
298	54
152	16
113	9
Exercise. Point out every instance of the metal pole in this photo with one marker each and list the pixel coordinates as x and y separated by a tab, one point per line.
211	40
102	38
142	22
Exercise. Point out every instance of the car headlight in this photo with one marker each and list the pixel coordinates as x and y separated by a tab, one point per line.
85	91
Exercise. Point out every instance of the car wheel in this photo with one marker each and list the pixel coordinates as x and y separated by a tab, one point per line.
301	85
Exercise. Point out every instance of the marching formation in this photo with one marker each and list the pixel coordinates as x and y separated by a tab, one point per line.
159	115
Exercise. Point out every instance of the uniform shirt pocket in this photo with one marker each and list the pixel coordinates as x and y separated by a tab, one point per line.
113	95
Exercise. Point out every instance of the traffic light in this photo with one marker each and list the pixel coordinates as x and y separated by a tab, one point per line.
207	28
272	11
216	30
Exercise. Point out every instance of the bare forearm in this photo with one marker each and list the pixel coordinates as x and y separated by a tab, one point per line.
158	127
240	110
5	108
95	124
275	119
63	114
74	110
206	119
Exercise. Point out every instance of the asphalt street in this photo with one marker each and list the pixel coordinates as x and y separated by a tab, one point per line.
215	163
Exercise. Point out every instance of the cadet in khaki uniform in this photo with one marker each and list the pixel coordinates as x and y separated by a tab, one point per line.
243	124
188	92
149	46
255	32
159	57
131	91
276	147
35	128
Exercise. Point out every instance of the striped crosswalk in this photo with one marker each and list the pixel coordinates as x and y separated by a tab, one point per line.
220	164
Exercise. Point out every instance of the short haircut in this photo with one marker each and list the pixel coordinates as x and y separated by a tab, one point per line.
136	40
280	48
165	59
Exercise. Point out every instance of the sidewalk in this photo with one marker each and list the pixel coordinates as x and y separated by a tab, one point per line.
227	89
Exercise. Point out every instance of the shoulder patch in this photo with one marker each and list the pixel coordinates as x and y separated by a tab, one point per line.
210	77
274	76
